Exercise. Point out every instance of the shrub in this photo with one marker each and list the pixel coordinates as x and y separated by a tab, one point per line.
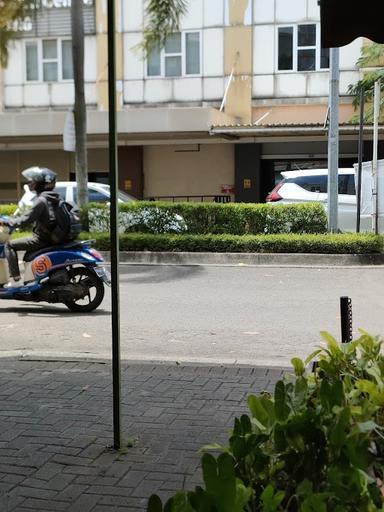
316	445
327	243
142	220
211	218
7	209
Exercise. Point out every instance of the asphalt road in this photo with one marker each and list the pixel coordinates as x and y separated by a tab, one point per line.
211	314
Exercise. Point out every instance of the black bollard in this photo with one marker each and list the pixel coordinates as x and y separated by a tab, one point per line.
346	319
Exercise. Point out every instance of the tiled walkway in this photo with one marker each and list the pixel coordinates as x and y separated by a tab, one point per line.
56	426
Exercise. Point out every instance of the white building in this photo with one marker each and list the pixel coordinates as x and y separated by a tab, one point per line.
240	93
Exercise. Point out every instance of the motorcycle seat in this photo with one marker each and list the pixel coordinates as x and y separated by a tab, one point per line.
31	255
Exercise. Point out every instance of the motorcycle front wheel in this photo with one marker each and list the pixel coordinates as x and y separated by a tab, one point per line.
87	278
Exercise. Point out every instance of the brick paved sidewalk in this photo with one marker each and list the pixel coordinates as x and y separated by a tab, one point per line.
56	425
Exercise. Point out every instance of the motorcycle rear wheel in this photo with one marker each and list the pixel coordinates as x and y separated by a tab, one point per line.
87	277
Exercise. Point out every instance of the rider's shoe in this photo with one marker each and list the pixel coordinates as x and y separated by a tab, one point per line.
13	283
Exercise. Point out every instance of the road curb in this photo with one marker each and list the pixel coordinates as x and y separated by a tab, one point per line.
268	259
149	362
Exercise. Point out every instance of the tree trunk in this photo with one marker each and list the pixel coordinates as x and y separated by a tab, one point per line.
80	112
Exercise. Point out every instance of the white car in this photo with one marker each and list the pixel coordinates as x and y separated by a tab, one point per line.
97	192
311	185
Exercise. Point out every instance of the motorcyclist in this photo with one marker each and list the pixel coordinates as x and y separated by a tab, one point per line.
42	181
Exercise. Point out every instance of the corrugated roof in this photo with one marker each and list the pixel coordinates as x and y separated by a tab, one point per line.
286	125
294	117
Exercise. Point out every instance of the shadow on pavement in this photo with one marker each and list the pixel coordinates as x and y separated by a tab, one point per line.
158	273
41	310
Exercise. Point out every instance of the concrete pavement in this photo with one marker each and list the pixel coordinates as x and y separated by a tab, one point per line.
203	314
56	428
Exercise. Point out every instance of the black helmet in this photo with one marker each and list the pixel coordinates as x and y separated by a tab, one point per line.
40	175
40	178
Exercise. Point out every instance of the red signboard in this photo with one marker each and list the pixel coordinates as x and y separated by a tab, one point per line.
227	189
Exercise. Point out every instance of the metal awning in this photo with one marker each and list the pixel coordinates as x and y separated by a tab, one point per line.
342	21
238	131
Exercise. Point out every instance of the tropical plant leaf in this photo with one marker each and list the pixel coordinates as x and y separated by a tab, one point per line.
281	405
366	426
338	433
154	504
270	499
332	344
259	411
331	394
312	356
298	366
179	503
229	494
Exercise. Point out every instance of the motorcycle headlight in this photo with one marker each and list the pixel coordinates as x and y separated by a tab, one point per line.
95	254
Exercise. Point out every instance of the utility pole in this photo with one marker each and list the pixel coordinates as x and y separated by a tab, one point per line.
333	141
360	162
375	196
114	212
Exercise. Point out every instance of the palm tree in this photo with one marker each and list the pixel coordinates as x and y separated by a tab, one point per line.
11	11
162	18
372	56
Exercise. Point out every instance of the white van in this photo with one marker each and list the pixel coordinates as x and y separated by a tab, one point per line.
311	185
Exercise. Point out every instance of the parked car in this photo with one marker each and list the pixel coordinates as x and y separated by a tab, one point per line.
97	192
311	185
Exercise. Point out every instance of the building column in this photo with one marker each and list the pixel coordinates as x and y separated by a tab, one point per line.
131	178
238	62
247	173
102	56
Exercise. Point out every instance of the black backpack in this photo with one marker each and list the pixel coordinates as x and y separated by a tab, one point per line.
64	220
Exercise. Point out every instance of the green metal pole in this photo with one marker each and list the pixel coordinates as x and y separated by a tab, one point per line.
360	162
333	141
113	177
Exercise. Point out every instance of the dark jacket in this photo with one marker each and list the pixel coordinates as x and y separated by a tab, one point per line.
40	215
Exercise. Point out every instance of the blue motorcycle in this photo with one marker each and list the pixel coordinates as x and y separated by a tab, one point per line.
72	274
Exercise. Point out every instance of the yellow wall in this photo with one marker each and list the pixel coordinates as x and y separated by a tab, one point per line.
237	10
238	59
168	172
102	55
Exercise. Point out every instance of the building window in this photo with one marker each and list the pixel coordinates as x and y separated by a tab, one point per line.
48	60
179	57
172	55
299	48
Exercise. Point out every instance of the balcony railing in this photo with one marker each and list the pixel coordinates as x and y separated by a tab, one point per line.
202	198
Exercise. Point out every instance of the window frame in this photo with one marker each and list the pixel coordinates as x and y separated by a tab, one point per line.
55	60
180	54
183	56
296	48
31	42
41	60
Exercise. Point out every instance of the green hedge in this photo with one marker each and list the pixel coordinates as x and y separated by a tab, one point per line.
7	209
291	243
234	218
230	218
